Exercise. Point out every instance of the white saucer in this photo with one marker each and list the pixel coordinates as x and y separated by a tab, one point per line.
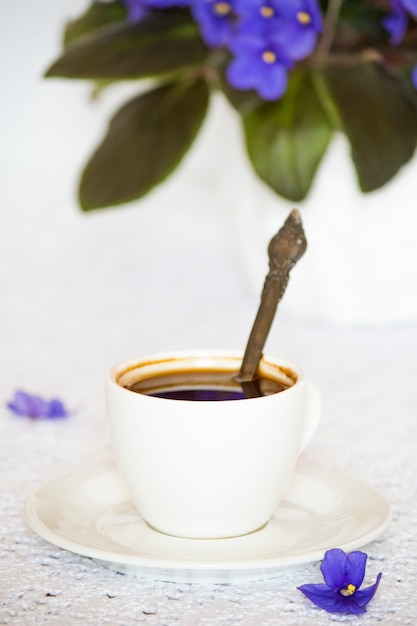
89	512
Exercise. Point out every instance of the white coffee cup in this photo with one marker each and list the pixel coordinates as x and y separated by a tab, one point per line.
208	469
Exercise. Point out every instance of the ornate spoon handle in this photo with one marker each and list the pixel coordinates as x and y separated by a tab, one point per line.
284	250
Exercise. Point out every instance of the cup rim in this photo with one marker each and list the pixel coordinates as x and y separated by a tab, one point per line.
151	361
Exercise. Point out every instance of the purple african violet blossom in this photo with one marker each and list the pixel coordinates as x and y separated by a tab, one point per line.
216	20
258	64
291	22
270	36
410	6
167	4
302	25
136	10
396	23
294	26
35	407
343	575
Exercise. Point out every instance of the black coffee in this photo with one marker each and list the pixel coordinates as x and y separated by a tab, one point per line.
207	386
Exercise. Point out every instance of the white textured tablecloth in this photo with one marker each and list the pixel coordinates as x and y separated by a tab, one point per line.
80	293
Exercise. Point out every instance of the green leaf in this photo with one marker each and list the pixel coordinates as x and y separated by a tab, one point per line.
378	114
97	16
243	101
164	42
286	140
145	142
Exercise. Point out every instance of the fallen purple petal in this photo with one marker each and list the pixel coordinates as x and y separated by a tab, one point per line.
33	406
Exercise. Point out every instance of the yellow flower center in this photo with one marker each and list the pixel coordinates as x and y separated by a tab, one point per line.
349	591
222	8
303	17
269	57
266	11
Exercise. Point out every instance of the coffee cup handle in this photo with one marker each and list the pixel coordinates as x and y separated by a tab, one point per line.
313	414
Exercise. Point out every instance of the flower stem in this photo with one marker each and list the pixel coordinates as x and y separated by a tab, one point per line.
329	30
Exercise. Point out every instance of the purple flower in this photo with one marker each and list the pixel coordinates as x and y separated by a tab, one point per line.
271	36
258	64
396	22
35	407
166	4
294	26
136	10
410	6
343	575
216	20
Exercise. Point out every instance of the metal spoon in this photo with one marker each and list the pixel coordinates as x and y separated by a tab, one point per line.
284	250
